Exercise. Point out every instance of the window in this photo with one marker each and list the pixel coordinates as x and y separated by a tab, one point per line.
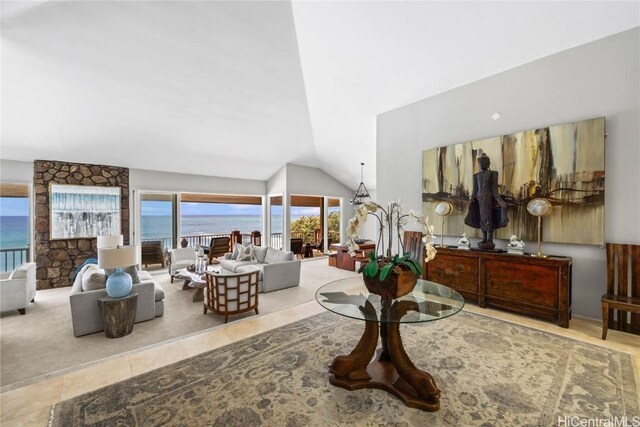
14	225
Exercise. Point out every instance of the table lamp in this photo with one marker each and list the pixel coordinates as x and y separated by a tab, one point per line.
119	284
443	209
109	241
539	207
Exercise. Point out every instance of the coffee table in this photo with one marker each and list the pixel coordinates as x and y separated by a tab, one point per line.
391	369
193	280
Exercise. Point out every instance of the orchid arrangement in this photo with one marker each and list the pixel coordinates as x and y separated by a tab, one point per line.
391	220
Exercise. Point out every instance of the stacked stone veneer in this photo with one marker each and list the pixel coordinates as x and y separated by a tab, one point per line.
56	260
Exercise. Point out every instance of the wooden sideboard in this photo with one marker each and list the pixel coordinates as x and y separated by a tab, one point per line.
539	287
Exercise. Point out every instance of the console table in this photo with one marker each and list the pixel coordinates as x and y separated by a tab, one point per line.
344	260
539	287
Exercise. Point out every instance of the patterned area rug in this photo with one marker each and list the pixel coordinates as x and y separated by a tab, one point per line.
490	372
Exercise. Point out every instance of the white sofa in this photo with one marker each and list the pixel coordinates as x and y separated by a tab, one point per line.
85	313
18	288
278	269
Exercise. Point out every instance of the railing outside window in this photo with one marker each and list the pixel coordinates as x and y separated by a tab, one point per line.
11	258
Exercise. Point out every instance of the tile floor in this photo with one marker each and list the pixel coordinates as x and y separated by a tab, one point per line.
31	405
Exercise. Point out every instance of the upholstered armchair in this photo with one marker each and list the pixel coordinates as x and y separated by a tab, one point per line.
232	293
18	289
180	258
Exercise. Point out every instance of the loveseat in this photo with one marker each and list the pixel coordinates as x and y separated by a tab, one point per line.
278	269
89	285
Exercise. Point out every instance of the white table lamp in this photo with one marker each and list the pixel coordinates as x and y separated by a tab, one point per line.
119	284
109	241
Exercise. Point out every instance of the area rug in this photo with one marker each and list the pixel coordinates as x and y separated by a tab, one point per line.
490	372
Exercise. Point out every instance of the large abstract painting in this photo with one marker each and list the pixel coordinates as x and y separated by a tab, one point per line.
563	163
83	211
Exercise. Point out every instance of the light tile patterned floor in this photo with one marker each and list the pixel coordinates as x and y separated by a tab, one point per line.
31	405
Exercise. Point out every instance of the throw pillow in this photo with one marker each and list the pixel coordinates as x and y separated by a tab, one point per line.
260	253
245	253
93	280
19	273
236	250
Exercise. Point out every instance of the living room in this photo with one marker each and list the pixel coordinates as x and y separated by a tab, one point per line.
261	100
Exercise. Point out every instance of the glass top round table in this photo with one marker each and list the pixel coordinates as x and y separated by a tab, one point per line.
429	301
389	367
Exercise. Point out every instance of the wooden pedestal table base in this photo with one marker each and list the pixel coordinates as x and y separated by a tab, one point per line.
391	369
118	315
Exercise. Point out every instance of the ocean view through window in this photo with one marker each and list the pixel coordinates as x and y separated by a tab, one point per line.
14	232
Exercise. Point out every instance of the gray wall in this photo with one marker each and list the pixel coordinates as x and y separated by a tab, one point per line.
601	78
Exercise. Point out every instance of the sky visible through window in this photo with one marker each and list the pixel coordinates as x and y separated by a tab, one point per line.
14	206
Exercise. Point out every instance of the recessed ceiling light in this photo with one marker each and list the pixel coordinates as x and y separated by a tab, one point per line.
495	116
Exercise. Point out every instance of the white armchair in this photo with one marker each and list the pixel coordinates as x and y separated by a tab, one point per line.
19	289
180	258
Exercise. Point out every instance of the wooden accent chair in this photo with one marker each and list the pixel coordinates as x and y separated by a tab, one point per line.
297	247
152	253
623	289
228	294
413	244
218	247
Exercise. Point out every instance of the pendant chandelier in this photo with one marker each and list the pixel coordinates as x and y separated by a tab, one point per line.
361	195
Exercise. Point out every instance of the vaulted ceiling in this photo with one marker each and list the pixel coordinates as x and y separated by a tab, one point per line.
237	89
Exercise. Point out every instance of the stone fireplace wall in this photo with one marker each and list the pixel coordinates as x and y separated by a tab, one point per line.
56	260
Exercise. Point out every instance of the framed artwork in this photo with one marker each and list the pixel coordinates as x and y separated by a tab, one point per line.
563	163
79	211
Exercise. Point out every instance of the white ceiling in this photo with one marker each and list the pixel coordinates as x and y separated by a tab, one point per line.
238	89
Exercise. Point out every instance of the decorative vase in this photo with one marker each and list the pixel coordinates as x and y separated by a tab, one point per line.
119	284
395	285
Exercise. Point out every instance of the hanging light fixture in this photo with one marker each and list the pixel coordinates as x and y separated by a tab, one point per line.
361	195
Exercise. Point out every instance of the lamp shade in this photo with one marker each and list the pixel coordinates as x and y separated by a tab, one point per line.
123	256
109	241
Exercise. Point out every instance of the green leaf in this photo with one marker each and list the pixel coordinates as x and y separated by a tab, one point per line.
395	259
411	266
405	257
371	269
385	271
372	256
418	267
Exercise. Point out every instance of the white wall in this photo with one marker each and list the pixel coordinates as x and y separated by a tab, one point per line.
277	184
15	171
140	179
596	79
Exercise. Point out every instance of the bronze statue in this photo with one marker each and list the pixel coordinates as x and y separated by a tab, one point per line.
482	213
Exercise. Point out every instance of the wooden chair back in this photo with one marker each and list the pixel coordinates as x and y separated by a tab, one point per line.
623	285
218	247
412	242
296	246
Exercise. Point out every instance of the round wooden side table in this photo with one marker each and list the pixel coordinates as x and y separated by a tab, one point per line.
118	314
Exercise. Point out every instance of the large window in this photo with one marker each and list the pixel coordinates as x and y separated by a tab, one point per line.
334	221
14	225
277	220
156	219
203	216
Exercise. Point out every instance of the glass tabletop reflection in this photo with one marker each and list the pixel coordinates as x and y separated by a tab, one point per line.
429	301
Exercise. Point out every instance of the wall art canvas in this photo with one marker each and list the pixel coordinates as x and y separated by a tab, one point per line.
83	211
563	163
